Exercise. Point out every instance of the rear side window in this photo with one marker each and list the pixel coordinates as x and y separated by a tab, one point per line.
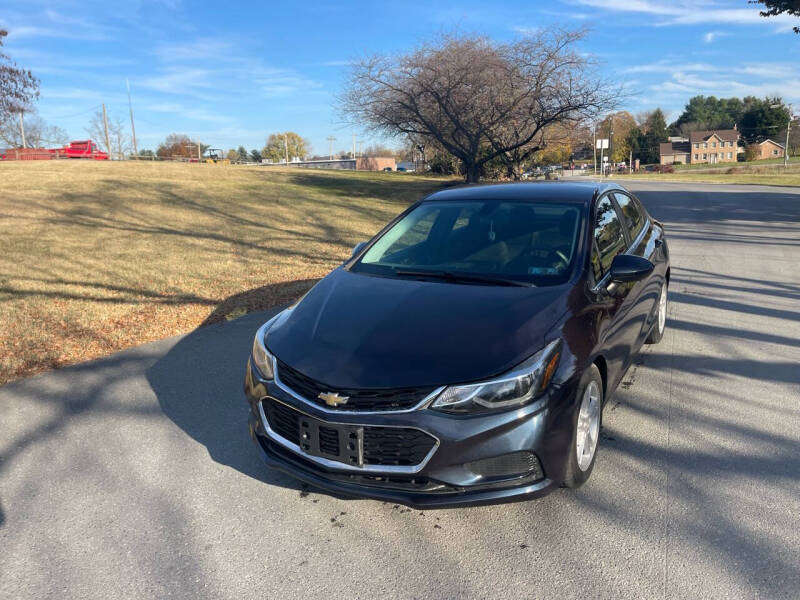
608	237
634	219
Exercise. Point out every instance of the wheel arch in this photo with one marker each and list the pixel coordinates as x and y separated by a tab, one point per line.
600	363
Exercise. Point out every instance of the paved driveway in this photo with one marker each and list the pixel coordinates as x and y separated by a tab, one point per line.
134	476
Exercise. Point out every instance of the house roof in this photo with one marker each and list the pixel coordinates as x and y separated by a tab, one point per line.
667	148
771	142
726	135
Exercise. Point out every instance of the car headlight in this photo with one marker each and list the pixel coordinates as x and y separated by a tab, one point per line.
518	387
262	359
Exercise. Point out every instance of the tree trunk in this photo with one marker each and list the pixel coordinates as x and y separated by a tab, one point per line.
472	172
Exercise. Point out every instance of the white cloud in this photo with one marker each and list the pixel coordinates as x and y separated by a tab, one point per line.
691	12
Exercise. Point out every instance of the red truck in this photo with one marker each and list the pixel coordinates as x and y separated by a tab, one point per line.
78	149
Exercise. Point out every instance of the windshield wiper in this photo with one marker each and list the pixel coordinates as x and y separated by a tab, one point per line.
456	277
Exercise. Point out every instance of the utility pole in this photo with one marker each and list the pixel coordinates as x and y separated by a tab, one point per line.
105	126
22	130
331	139
786	145
133	128
594	148
354	146
199	150
360	148
286	147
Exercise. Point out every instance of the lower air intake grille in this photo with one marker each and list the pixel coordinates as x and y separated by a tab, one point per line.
396	446
329	441
284	421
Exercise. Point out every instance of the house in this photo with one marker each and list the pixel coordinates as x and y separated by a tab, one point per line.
718	146
767	149
721	145
674	153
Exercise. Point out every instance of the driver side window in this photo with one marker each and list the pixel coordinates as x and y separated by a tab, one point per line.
608	237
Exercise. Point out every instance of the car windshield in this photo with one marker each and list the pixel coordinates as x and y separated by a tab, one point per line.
528	242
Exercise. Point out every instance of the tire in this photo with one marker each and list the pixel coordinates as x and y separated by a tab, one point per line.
657	332
587	421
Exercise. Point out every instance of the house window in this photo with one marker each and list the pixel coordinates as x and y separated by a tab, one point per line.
730	154
696	147
713	144
696	156
705	156
730	144
705	144
774	153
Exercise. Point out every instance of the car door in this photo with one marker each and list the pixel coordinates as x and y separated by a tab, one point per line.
644	242
609	238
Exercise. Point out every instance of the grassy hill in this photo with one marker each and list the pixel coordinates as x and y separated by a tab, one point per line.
96	257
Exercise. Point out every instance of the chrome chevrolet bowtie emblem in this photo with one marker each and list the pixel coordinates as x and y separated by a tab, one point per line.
333	399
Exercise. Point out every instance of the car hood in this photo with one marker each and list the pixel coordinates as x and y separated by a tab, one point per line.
360	331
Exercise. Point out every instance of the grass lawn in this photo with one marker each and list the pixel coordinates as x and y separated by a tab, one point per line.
790	178
96	257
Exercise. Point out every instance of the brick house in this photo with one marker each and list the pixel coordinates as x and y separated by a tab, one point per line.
712	147
767	149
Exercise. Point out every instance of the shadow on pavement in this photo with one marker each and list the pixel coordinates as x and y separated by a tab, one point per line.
198	384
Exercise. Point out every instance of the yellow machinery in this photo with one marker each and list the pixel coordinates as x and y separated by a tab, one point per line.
215	157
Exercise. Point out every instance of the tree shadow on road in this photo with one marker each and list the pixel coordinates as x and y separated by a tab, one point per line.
198	382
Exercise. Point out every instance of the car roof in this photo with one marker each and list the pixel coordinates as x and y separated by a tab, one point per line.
577	192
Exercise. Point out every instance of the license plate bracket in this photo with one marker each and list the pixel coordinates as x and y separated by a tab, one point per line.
347	448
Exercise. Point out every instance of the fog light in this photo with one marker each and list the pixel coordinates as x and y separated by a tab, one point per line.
516	464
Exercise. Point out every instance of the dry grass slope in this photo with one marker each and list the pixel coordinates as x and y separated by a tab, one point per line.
96	257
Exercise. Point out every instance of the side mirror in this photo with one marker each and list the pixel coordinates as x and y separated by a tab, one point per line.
358	248
626	268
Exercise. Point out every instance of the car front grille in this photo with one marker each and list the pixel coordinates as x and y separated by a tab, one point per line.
378	399
394	446
385	446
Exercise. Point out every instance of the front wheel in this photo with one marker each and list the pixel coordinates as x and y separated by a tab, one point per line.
657	332
586	433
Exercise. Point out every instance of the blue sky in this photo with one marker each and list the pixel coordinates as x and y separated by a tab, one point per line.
230	73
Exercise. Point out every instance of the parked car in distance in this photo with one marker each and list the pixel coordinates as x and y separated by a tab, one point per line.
464	354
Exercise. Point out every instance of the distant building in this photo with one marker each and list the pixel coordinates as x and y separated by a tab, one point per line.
378	163
767	149
712	147
674	153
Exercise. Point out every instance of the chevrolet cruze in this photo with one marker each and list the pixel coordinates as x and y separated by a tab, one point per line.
464	354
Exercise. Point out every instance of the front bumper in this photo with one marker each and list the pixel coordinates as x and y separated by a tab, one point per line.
444	477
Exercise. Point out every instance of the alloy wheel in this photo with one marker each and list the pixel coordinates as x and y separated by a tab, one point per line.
662	309
588	426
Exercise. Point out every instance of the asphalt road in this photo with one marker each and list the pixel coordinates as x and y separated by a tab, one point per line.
134	477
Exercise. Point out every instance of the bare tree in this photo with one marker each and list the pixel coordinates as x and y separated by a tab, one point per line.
478	99
18	87
37	133
117	134
119	138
